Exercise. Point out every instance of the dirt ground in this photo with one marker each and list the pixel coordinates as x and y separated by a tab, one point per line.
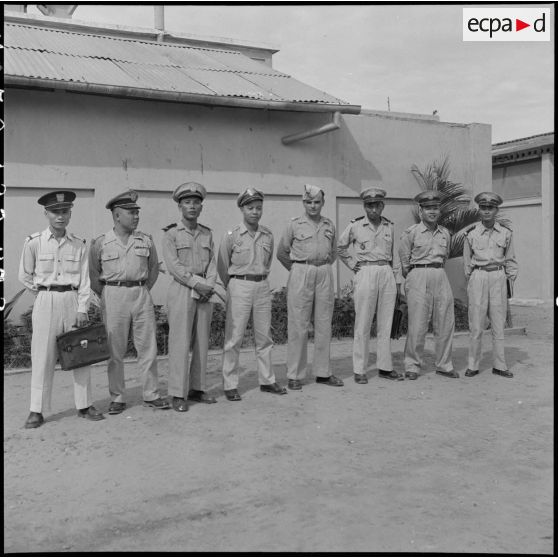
434	465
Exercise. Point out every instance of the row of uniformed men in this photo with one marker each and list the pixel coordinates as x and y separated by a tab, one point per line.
122	266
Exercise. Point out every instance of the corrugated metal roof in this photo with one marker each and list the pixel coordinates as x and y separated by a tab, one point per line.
77	57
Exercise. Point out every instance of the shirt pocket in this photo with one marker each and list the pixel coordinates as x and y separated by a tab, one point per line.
480	243
500	247
184	253
71	263
205	252
45	263
110	263
302	242
240	255
387	240
142	257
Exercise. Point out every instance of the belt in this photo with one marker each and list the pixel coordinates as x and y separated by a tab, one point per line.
437	265
255	278
124	283
57	288
489	267
377	262
311	262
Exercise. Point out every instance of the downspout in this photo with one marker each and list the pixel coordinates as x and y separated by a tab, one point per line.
333	125
159	24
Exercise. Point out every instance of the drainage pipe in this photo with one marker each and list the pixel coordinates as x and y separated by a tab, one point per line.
333	125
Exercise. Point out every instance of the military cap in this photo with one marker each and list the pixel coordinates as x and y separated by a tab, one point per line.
249	195
189	190
489	198
59	199
126	200
311	191
430	197
373	195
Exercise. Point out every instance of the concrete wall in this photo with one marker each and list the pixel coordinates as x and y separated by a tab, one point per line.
100	146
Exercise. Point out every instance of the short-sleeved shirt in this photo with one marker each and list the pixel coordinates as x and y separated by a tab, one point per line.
368	244
489	246
111	260
240	253
45	262
419	245
190	254
305	240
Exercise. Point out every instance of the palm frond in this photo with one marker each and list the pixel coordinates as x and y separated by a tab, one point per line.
10	304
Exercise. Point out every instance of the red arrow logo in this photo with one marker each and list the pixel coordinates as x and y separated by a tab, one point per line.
519	25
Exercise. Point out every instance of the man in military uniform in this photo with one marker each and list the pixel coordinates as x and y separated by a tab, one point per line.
489	261
123	267
423	251
243	264
189	255
54	268
307	249
376	282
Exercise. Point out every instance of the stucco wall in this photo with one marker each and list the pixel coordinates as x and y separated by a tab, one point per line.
100	146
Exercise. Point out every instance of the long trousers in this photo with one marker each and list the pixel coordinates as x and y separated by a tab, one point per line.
375	292
54	313
121	307
429	295
486	291
189	323
245	298
309	290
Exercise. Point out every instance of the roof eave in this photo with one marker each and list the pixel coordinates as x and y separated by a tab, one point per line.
180	97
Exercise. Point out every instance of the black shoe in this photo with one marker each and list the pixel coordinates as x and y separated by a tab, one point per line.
116	408
450	374
411	375
200	396
361	379
90	413
390	375
469	373
294	385
232	395
158	403
504	373
34	420
179	404
273	388
329	381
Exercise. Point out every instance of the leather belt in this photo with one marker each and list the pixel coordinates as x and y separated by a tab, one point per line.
377	262
57	288
255	278
124	283
489	267
310	262
437	265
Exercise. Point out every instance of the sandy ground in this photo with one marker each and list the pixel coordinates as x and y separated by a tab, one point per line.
435	465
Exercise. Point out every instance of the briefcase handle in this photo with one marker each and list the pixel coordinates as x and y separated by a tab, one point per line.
69	348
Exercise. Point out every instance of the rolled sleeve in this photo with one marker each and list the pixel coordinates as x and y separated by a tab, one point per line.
345	240
27	267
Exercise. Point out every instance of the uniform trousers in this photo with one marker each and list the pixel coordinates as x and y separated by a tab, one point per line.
487	295
309	288
54	313
189	323
121	307
429	295
375	292
245	298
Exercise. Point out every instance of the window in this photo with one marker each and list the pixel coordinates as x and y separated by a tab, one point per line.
518	180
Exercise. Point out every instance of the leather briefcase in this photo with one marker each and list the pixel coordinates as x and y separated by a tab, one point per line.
82	346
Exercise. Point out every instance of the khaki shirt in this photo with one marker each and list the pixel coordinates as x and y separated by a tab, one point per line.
494	246
368	244
421	246
46	262
190	254
304	240
111	260
240	253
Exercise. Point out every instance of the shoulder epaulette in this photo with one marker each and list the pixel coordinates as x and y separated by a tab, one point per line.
409	229
34	235
505	226
444	229
168	227
78	238
98	237
294	218
204	226
265	229
357	219
470	228
387	220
